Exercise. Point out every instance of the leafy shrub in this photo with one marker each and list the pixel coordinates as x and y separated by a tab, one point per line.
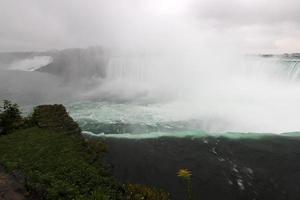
10	116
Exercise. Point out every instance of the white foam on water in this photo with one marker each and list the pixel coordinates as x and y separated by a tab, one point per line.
147	135
31	64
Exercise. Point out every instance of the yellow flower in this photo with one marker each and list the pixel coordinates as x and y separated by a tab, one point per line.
184	173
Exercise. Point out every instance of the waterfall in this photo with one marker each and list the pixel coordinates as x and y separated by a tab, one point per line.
152	75
182	76
293	69
131	68
248	94
272	69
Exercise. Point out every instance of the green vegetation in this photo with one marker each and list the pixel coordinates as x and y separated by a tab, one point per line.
138	192
55	162
54	117
10	116
56	165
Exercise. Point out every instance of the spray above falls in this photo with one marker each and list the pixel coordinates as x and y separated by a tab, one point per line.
178	63
211	92
245	94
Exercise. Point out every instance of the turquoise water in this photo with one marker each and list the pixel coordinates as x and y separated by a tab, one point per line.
193	134
140	121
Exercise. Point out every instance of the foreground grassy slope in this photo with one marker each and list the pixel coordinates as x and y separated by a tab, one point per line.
48	158
56	165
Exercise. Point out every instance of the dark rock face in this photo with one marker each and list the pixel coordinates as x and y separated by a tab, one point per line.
227	169
55	117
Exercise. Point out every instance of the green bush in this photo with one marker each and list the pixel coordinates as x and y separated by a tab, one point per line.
54	117
10	116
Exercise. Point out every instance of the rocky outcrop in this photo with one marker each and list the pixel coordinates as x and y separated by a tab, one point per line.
54	117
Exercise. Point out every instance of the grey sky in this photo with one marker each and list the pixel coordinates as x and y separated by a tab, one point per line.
252	25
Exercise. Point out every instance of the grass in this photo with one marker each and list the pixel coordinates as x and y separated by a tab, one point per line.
138	192
56	162
57	165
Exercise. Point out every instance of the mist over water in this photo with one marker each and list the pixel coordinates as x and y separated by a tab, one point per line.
245	94
207	86
186	70
164	64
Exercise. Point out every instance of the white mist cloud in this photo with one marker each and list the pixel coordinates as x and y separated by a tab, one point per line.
254	26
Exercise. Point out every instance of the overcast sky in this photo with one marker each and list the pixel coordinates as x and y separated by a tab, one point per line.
255	26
